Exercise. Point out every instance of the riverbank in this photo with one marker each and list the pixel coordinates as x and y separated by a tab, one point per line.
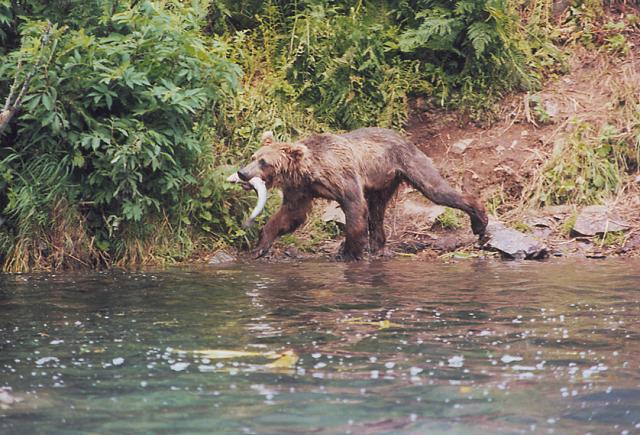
511	165
106	178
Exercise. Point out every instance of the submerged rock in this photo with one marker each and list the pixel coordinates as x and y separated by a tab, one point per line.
221	257
179	366
512	243
598	219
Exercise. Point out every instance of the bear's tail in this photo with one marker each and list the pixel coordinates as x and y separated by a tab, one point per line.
421	174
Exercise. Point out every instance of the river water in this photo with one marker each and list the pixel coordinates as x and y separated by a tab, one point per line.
470	347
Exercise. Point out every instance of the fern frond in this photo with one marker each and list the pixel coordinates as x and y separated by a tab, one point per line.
481	34
467	7
435	33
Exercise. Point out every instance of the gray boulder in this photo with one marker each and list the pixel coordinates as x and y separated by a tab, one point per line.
598	219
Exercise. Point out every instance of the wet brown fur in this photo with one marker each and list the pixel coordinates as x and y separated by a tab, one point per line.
361	170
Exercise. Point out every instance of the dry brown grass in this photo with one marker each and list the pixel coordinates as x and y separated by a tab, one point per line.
65	246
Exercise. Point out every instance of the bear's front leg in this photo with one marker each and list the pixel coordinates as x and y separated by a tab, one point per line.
356	214
292	213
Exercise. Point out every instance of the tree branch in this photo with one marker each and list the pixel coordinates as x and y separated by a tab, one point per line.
11	106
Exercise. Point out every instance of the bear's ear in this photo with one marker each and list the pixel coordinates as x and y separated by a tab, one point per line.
295	151
267	138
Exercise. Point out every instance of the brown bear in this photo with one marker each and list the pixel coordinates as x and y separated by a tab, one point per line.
361	170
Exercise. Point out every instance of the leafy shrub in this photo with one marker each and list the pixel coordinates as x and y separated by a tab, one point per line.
349	78
113	123
357	63
6	17
478	50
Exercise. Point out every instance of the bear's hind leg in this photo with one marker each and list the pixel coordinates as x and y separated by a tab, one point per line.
422	175
377	201
356	214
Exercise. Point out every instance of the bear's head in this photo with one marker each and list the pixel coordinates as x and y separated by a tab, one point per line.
276	163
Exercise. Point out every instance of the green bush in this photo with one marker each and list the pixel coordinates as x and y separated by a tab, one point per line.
113	122
357	63
347	77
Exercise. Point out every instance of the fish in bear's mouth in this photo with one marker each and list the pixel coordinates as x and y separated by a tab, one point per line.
257	184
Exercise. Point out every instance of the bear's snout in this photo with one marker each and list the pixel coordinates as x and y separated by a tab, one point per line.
243	175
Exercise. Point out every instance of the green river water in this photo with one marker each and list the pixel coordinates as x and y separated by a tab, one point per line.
470	347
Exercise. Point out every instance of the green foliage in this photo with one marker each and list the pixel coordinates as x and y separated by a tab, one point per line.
626	119
478	50
522	227
615	41
538	110
265	101
110	122
589	25
584	16
590	165
316	231
461	54
6	17
463	31
585	170
611	239
567	225
497	201
450	219
348	78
